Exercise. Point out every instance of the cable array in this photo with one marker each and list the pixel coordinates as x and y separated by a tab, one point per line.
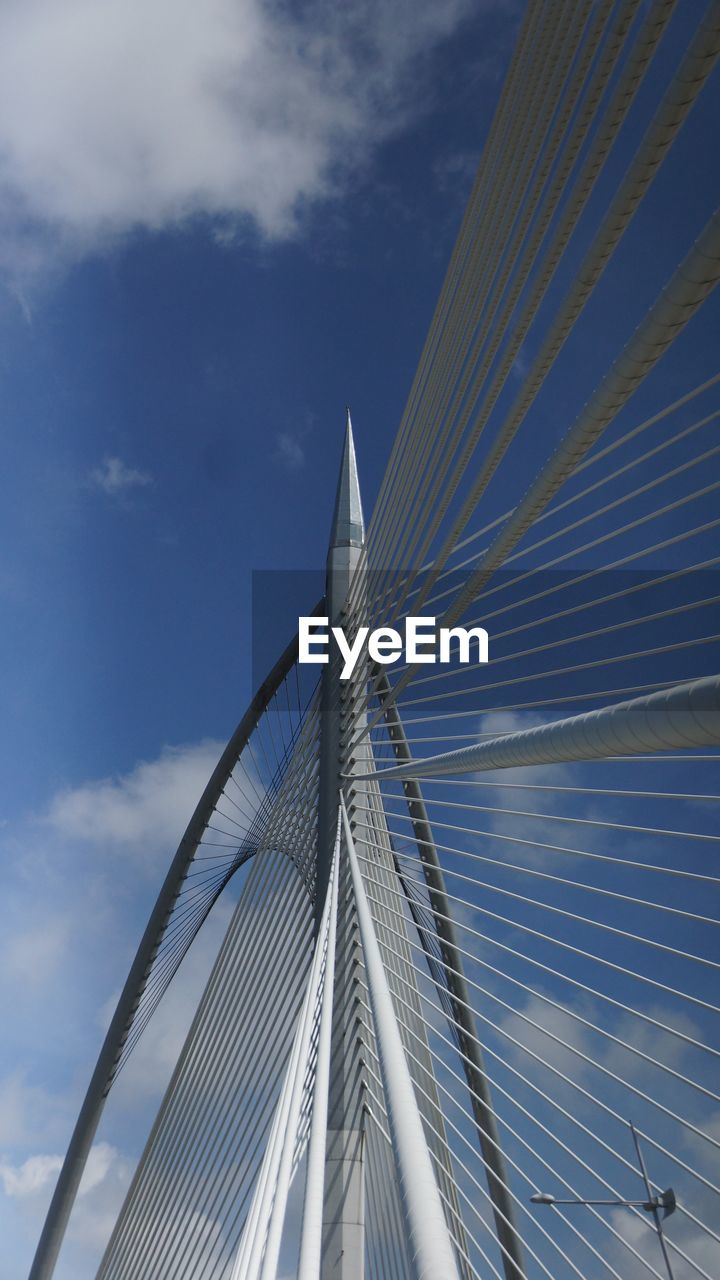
274	775
563	908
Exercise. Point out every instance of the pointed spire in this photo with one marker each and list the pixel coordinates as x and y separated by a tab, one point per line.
348	526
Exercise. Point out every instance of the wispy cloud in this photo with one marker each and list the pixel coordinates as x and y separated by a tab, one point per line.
115	478
20	296
146	113
289	451
456	170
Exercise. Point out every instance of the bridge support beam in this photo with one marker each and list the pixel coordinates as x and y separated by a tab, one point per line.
461	1005
431	1250
679	719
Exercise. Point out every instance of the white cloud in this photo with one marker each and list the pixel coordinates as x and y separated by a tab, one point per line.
102	1155
501	793
31	1176
102	1190
114	477
550	1033
641	1237
27	1188
145	810
118	114
35	1173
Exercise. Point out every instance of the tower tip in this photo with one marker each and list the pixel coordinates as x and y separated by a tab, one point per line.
348	527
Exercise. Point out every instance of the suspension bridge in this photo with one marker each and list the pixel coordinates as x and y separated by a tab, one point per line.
464	1020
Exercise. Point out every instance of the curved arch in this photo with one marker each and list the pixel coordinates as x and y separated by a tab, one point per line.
107	1062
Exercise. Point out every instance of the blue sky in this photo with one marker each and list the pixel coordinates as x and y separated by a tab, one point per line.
158	383
210	242
210	365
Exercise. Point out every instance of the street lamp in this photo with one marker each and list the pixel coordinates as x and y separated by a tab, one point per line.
665	1201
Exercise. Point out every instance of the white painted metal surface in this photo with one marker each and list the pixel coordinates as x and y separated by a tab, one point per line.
311	1235
687	716
429	1241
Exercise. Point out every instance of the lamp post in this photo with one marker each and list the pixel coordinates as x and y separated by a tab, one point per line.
653	1204
666	1200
